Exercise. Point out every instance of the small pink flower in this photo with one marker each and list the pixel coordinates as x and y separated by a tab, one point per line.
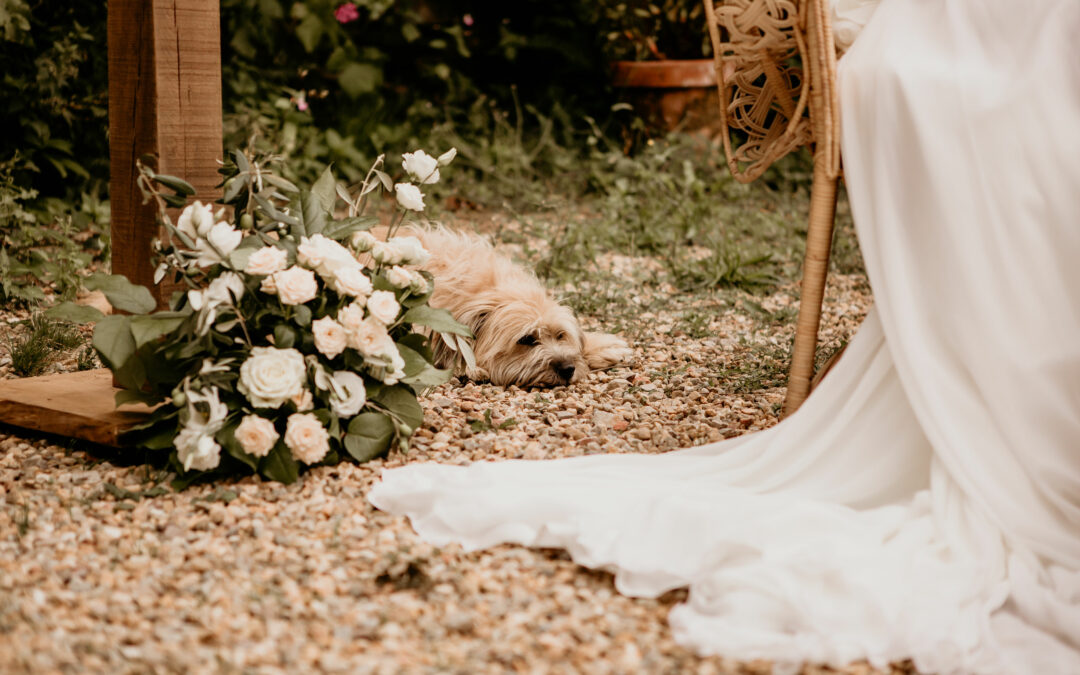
467	20
346	12
301	104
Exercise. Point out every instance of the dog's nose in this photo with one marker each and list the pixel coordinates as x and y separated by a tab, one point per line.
565	370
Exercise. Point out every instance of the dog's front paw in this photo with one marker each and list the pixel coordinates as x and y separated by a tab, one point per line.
604	351
477	374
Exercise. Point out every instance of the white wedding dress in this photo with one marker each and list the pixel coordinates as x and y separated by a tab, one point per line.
925	501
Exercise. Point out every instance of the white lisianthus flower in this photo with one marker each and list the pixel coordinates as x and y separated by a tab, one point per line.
324	255
304	401
306	437
271	376
256	435
363	241
399	277
196	220
348	395
419	284
410	249
296	285
368	337
330	336
383	307
267	260
222	291
197	450
409	196
447	156
351	281
421	166
385	253
351	316
220	241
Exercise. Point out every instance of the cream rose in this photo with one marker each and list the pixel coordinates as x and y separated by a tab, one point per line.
421	166
351	281
271	376
267	260
304	401
351	316
385	254
363	241
383	307
399	277
296	285
330	336
367	337
256	435
306	437
349	395
196	220
410	249
409	196
268	285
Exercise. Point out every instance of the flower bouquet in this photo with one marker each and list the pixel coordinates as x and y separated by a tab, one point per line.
296	337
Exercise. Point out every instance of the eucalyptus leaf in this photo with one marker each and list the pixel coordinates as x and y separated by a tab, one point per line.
324	190
400	401
436	319
369	436
151	327
339	229
302	315
279	465
175	184
69	311
121	293
113	340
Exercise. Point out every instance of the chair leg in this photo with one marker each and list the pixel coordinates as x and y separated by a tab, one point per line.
815	267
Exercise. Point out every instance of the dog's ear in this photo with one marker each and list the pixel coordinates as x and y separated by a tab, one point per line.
604	351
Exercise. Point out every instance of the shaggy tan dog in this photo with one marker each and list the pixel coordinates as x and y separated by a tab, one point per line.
523	337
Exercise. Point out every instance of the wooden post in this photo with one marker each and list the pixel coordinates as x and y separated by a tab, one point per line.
164	99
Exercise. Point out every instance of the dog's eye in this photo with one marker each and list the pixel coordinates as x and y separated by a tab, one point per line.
561	336
527	340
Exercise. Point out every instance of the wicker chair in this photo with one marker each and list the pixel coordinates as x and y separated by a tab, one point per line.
776	70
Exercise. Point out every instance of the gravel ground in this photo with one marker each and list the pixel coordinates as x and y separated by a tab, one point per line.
101	571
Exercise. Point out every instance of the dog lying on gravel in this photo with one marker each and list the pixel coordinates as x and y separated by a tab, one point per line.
523	336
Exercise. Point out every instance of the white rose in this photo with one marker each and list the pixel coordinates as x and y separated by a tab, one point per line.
409	196
306	437
349	396
270	376
447	156
197	450
296	285
410	249
256	435
383	307
368	337
351	281
419	284
324	255
399	277
267	260
363	241
385	253
268	285
196	220
421	166
220	241
396	371
303	401
330	336
225	288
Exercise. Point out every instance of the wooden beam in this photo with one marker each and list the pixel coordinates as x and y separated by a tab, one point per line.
164	99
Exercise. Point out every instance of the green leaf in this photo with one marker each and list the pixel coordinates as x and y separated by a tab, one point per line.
279	465
302	315
325	190
113	340
369	436
400	401
359	78
284	336
339	229
69	311
121	293
150	327
178	185
419	372
436	319
310	32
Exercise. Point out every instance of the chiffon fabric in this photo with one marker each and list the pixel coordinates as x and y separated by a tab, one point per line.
924	503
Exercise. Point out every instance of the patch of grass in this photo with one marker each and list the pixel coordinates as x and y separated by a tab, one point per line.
486	424
759	366
43	341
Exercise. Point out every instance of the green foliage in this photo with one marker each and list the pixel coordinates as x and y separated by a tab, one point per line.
640	30
43	340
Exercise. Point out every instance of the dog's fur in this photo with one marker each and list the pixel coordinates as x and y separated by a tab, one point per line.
523	337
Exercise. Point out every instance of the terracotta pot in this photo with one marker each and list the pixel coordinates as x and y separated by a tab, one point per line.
670	94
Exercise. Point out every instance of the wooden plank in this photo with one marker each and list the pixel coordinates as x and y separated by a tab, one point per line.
79	405
164	99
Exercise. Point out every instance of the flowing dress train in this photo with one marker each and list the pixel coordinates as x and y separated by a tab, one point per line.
924	502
